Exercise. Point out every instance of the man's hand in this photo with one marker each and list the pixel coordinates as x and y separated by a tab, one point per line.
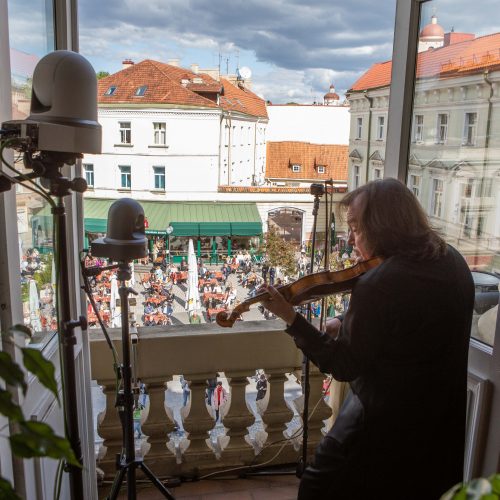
333	327
277	304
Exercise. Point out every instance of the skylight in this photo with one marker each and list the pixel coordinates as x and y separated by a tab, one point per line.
111	90
141	90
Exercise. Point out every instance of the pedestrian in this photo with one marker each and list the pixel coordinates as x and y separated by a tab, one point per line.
186	391
218	399
137	420
265	270
211	385
402	345
272	274
261	387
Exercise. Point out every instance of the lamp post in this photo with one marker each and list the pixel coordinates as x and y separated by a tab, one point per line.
332	232
170	230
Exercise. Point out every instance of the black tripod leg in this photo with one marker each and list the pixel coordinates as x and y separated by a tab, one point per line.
156	481
117	483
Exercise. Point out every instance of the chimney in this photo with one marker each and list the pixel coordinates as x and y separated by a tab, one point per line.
173	62
127	63
195	68
452	37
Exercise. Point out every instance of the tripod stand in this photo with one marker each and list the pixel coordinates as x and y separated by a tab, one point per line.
127	462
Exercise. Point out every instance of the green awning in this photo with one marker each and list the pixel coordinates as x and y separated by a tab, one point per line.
186	218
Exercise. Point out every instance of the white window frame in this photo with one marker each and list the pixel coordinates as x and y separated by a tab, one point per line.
125	176
295	168
125	129
442	128
159	133
377	173
415	183
437	195
380	127
88	169
356	176
418	128
158	174
321	169
359	127
470	129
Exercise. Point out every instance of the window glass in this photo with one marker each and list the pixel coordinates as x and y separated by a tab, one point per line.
125	177
89	174
159	173
456	175
125	133
160	133
31	37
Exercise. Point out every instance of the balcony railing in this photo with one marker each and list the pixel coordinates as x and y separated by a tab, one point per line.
198	352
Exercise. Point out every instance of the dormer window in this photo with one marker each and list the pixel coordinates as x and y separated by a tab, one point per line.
295	167
321	169
141	91
184	82
197	79
111	90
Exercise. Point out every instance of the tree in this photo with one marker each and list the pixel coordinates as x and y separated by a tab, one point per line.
102	74
280	253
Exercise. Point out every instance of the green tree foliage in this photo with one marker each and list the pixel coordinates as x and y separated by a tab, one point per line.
102	74
280	253
29	439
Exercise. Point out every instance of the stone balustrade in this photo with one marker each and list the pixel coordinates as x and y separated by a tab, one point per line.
198	352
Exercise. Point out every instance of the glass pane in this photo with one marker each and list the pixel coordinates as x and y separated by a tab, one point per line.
31	32
453	165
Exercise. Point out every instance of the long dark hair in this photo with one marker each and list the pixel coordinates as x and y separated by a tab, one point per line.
393	221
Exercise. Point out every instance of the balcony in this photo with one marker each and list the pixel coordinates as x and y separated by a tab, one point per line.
246	438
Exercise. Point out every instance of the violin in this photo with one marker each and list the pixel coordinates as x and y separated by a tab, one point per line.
309	288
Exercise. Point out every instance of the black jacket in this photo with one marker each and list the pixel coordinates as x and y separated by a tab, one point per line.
403	348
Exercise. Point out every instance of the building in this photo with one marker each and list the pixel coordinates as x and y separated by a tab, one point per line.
453	161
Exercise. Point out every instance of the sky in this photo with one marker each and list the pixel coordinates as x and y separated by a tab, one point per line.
294	48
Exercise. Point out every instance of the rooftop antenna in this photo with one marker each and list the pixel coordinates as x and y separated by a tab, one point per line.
227	65
237	59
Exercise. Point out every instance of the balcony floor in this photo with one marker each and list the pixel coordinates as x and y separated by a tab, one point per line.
273	487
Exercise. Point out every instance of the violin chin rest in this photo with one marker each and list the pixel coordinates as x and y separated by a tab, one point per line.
222	319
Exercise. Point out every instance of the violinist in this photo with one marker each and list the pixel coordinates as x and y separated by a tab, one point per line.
402	346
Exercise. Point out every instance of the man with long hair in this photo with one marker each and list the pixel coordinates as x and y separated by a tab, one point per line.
402	345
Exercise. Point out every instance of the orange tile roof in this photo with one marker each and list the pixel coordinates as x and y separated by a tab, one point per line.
468	56
167	84
281	155
241	99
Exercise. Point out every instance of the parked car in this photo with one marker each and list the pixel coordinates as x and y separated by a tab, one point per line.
487	294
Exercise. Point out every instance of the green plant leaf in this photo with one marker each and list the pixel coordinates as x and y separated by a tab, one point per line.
21	329
6	491
37	439
495	483
8	408
44	370
11	372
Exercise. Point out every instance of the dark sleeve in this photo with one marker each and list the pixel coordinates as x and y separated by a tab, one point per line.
358	343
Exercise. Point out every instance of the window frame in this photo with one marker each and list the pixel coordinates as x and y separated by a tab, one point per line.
158	176
125	138
159	133
88	170
380	127
418	128
440	126
295	168
359	128
484	361
470	130
124	175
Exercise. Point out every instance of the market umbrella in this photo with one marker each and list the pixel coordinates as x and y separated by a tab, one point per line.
115	310
193	303
34	302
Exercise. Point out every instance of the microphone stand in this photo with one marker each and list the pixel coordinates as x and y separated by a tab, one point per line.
315	189
127	462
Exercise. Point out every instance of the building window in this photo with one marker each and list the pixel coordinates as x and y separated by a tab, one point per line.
160	133
125	177
442	128
418	130
415	184
437	197
125	133
140	91
377	173
356	176
159	177
89	174
359	127
295	168
380	128
321	169
111	90
470	126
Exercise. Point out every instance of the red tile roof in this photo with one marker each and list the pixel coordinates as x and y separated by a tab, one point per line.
468	56
167	84
282	155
